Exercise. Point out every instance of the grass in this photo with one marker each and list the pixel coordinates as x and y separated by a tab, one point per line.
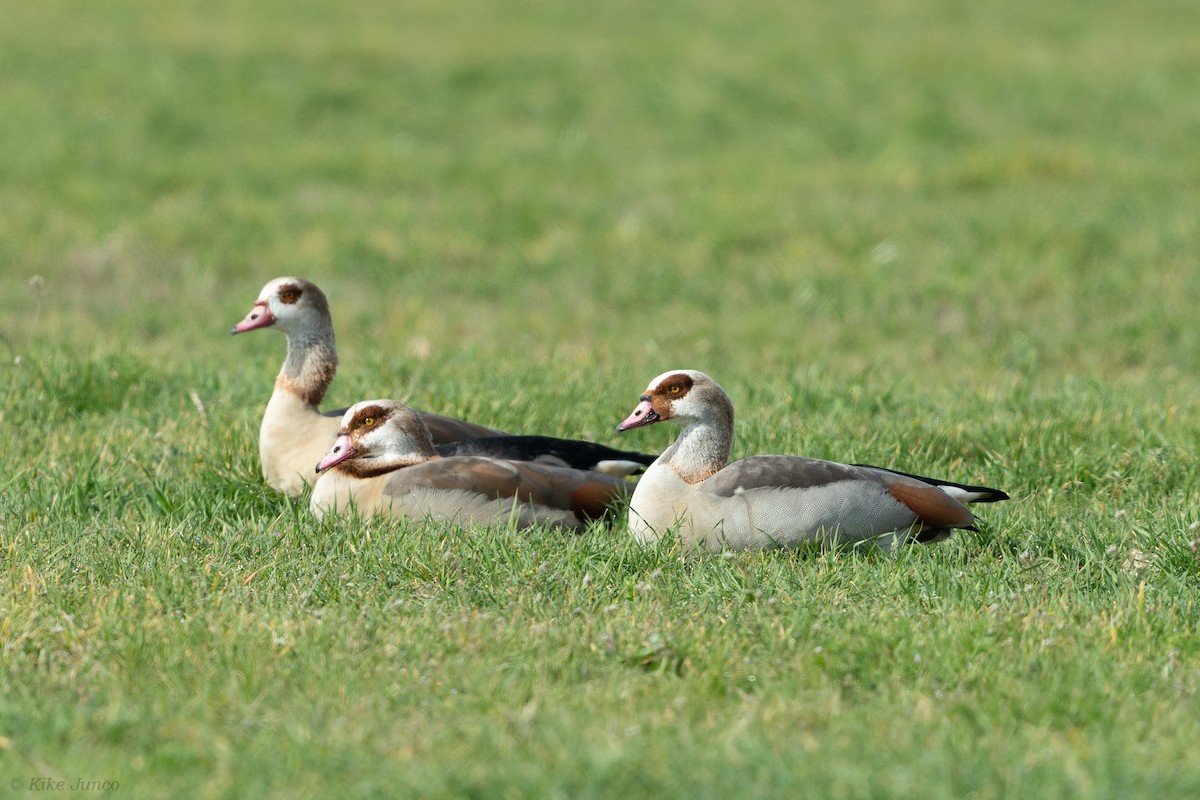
957	240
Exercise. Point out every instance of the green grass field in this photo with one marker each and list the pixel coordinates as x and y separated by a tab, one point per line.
958	239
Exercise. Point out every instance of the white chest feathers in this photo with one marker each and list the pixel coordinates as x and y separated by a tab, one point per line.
292	439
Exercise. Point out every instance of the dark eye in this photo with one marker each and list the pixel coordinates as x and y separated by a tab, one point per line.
289	295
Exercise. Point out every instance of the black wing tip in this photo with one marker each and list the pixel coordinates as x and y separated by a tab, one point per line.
989	495
579	453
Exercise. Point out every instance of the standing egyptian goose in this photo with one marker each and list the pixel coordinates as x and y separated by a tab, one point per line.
295	434
774	501
383	461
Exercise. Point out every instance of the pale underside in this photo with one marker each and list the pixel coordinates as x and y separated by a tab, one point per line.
773	501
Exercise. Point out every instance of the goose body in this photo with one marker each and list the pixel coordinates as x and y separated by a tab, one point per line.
774	501
295	435
384	462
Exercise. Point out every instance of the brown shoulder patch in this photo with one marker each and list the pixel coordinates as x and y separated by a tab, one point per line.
595	498
933	507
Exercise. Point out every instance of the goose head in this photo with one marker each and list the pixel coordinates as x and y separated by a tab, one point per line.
378	436
683	396
288	304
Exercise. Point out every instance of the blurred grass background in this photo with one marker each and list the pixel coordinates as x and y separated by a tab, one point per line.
956	239
948	191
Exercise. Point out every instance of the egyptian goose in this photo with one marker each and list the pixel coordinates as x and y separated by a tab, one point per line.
383	461
295	434
774	501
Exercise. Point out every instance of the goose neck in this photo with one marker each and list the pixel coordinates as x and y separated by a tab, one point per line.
310	365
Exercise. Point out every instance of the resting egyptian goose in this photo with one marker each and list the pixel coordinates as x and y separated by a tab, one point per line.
295	434
383	461
774	501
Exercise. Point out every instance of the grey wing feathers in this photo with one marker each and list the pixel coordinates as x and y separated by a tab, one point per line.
782	471
480	475
447	429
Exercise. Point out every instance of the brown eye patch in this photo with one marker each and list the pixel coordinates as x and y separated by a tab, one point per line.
368	417
669	389
290	294
676	385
